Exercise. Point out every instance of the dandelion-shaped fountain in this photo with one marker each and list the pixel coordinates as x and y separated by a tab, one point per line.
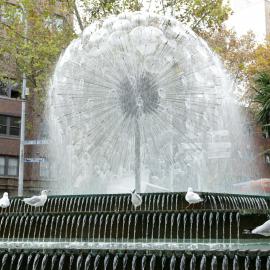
141	97
139	100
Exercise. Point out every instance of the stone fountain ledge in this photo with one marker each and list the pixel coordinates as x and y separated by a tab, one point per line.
250	246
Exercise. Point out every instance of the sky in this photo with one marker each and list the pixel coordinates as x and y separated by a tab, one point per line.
248	15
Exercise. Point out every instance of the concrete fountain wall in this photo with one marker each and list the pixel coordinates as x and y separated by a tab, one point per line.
105	232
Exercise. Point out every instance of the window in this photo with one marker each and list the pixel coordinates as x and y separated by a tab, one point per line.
2	166
44	170
9	166
10	12
9	89
55	22
9	125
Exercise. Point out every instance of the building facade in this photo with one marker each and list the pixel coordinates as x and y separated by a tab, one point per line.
10	112
35	165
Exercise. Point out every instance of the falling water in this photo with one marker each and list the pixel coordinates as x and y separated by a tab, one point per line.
191	226
100	226
143	262
217	221
115	262
214	263
36	262
153	262
204	220
135	225
134	262
258	263
125	261
268	263
210	226
238	226
87	262
231	218
184	230
197	226
44	262
225	263
183	262
178	225
235	263
61	262
165	226
147	226
203	263
172	222
19	263
153	226
79	262
247	263
193	262
163	262
106	261
29	259
96	262
172	262
53	263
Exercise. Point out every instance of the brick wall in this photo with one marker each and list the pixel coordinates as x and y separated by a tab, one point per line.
10	106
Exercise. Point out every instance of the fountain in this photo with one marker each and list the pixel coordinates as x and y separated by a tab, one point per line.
140	101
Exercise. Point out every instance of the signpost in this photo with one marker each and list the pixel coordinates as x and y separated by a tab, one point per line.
35	160
36	142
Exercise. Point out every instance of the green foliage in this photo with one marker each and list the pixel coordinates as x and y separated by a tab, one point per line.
236	52
262	98
201	15
36	52
97	9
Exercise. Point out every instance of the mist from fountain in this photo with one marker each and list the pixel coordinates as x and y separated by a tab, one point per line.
141	98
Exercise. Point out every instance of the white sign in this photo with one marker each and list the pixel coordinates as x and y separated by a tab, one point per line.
34	142
35	160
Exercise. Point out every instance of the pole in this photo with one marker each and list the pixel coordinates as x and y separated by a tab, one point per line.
22	127
137	157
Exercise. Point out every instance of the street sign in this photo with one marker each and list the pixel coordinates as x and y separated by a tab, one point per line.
35	160
35	142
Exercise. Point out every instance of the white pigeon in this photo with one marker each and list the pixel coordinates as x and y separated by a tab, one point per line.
4	201
37	201
264	229
192	197
136	199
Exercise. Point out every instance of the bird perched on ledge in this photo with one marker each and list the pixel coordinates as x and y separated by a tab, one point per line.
264	229
136	199
192	197
4	201
37	201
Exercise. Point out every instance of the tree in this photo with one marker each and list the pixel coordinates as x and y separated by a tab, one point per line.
262	98
50	30
261	61
200	15
236	52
